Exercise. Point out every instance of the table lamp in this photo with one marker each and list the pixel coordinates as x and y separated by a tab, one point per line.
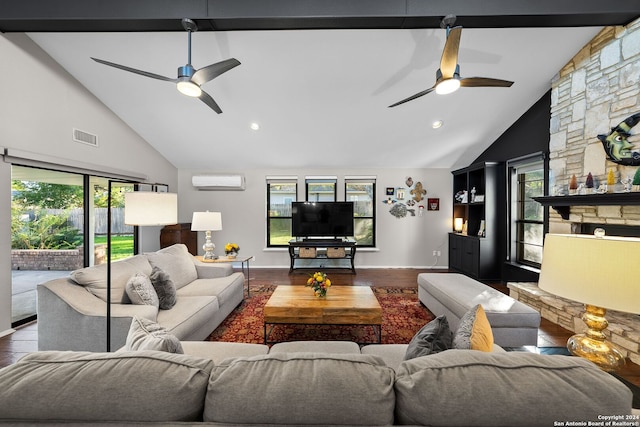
599	272
207	222
457	225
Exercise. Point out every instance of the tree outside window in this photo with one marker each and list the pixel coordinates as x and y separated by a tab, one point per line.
280	195
362	193
527	215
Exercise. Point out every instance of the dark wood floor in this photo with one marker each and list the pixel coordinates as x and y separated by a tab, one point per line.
25	339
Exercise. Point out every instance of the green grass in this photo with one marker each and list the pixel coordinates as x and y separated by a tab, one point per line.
121	246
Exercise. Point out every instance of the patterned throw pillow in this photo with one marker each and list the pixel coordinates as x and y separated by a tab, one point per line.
474	331
140	291
434	337
164	287
145	334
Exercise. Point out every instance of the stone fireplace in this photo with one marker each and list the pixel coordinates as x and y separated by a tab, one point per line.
596	90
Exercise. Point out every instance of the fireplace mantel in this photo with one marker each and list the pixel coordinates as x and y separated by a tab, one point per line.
562	204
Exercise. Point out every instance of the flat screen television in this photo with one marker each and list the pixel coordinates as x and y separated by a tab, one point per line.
322	219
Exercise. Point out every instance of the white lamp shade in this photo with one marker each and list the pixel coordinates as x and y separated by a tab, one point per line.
596	271
206	221
457	224
150	208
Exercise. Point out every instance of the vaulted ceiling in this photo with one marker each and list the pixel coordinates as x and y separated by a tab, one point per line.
316	76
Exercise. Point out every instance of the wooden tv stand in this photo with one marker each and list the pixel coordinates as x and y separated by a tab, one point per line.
295	246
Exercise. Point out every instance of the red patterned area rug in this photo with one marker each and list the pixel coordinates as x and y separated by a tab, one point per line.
402	316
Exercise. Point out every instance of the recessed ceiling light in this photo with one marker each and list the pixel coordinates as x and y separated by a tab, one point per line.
255	126
437	124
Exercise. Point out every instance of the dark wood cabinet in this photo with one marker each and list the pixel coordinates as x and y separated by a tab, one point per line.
179	233
474	251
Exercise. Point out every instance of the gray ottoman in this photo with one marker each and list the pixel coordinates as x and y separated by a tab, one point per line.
513	323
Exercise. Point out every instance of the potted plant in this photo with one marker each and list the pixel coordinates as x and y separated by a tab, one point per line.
231	250
320	282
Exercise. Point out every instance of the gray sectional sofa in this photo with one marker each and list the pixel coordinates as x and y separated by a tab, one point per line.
513	323
303	383
72	311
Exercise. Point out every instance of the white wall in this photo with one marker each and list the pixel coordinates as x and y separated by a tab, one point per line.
40	104
405	242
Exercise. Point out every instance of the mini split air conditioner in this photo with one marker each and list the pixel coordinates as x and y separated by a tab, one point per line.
218	182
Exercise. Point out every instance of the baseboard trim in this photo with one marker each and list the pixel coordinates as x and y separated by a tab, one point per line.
7	332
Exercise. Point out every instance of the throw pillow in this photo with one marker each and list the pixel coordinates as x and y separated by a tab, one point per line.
140	290
434	337
474	331
164	286
145	334
177	262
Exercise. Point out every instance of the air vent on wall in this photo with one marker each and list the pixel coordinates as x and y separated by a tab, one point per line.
218	182
85	137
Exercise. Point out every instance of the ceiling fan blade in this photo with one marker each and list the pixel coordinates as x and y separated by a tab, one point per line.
449	58
207	99
411	98
212	71
133	70
484	82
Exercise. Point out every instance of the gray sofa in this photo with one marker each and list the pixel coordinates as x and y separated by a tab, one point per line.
72	311
307	383
513	323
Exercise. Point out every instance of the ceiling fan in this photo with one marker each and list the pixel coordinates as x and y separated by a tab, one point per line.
448	78
189	79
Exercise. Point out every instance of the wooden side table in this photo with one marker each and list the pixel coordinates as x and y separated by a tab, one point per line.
241	259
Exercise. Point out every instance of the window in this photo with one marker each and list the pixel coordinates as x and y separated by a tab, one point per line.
362	192
59	224
527	179
321	188
280	193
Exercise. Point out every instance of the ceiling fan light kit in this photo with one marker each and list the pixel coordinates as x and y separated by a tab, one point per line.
448	86
189	88
189	80
448	78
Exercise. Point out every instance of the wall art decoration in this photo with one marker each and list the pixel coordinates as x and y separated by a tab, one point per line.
409	181
433	204
389	201
391	191
400	210
618	148
400	193
418	192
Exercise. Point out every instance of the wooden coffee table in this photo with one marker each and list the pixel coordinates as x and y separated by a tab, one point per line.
343	305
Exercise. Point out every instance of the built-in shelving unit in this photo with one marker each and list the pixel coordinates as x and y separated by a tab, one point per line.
562	204
475	252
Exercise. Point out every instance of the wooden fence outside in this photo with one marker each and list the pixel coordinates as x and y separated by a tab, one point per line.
76	220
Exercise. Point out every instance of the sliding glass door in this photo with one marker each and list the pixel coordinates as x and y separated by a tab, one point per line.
59	224
47	239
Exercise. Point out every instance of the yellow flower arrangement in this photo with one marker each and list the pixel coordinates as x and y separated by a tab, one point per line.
320	283
231	248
